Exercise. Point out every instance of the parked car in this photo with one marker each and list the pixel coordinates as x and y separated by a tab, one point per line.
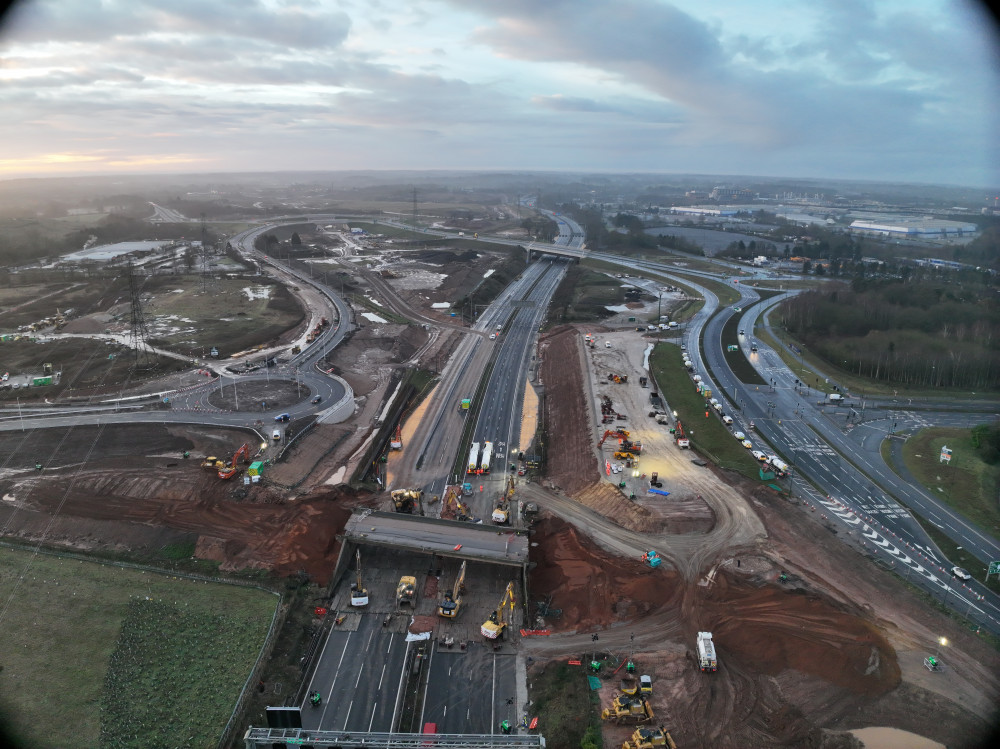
747	444
740	436
759	455
727	420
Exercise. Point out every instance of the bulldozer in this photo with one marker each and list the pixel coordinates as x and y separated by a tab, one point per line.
406	591
359	595
625	709
212	463
647	738
405	500
452	602
494	626
620	455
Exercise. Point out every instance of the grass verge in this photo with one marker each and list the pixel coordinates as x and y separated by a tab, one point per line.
566	708
966	483
99	655
708	435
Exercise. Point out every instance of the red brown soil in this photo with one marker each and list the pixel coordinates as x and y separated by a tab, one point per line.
593	589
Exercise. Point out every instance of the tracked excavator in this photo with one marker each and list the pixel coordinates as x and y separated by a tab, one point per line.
227	472
452	602
501	514
494	626
619	433
406	590
359	594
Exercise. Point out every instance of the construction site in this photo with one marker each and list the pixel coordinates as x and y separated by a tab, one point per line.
810	639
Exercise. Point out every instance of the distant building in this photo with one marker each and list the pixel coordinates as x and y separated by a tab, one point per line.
913	228
730	193
695	210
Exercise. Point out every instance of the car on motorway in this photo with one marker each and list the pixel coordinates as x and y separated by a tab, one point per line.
762	457
317	398
740	436
727	420
276	434
283	417
960	573
737	309
747	444
683	347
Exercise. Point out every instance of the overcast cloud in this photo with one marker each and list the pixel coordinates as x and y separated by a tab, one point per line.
902	90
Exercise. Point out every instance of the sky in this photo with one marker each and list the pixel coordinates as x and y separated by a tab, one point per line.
891	90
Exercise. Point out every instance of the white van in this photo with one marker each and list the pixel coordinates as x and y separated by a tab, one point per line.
717	407
714	401
727	420
740	436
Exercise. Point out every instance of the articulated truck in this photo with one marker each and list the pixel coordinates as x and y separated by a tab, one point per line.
473	458
486	458
706	652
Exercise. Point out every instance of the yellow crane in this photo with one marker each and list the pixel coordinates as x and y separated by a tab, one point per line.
449	607
359	595
494	626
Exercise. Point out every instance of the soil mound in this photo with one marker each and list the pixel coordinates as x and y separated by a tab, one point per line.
593	589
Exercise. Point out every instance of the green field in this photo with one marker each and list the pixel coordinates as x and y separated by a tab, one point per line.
568	712
98	655
708	435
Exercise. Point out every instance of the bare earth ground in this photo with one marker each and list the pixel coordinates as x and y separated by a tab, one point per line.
839	646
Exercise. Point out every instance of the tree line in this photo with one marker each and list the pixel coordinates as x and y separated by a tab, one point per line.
911	334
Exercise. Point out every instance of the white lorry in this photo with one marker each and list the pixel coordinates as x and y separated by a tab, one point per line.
780	467
473	458
706	652
486	458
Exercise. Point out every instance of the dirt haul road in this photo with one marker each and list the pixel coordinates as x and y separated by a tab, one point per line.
839	645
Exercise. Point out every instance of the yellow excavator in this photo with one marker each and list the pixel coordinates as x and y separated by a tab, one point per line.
494	626
359	594
647	738
212	463
452	603
406	590
501	514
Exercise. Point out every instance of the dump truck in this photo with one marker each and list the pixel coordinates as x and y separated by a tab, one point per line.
625	709
648	738
473	458
405	500
406	591
706	652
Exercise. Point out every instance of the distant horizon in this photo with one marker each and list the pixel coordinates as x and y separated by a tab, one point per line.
496	171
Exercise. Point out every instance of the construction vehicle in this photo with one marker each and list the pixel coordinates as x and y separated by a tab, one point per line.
646	684
406	591
619	455
494	626
619	433
706	652
617	378
452	603
227	472
682	439
501	514
652	559
359	595
625	709
396	443
629	446
648	738
212	463
529	511
405	500
473	458
486	458
629	684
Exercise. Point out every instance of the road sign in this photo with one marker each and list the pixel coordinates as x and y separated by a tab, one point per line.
945	455
994	569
